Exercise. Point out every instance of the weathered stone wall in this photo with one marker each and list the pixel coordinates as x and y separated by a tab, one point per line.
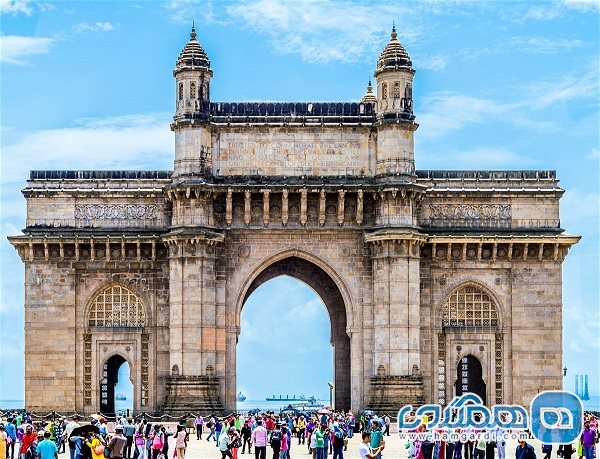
273	151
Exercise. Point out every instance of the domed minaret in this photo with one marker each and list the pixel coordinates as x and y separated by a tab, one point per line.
192	109
369	97
394	75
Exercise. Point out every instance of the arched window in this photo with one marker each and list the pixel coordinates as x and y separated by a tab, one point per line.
117	306
384	91
180	91
396	90
192	90
469	306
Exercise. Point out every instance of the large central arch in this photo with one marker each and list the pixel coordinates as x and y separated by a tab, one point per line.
299	267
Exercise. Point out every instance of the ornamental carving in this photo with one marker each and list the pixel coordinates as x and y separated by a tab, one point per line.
500	212
116	211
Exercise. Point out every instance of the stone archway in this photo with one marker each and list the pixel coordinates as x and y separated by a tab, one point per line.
322	283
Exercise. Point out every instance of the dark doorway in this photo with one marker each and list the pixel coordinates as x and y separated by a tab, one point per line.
469	377
110	378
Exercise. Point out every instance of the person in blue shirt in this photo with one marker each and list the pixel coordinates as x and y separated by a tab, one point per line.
46	449
11	432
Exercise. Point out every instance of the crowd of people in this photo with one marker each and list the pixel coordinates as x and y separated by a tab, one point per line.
318	434
470	443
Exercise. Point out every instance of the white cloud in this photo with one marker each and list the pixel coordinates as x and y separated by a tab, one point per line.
445	112
94	27
435	63
132	141
15	49
543	45
326	31
16	7
27	7
186	11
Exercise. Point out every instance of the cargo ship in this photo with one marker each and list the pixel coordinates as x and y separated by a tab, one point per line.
287	398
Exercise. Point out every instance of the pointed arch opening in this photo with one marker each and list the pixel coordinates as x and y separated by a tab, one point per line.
116	388
327	290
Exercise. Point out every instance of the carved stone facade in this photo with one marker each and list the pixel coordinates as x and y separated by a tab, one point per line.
423	273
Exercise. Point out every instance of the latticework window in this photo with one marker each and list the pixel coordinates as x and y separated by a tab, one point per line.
117	306
469	306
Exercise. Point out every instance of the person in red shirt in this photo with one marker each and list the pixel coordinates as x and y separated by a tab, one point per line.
269	424
28	439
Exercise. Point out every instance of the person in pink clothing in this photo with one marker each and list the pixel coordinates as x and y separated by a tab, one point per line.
259	440
284	444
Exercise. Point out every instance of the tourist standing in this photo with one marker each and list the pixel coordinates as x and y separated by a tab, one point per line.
158	441
27	441
11	438
117	443
211	426
3	441
140	442
285	443
319	441
199	423
259	440
524	451
387	421
588	438
376	435
365	450
129	432
181	441
480	446
275	441
223	445
71	425
46	449
96	446
301	429
246	433
338	441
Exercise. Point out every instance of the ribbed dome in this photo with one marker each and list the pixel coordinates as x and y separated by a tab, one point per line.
393	55
192	55
369	96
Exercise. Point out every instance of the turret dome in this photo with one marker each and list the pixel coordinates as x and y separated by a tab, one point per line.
192	55
393	56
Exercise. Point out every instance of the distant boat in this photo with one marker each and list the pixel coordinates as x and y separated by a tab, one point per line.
120	396
240	397
287	398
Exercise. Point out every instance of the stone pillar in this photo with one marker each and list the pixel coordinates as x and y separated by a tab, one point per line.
396	359
196	336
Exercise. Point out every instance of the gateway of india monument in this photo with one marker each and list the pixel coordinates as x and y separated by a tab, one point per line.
437	282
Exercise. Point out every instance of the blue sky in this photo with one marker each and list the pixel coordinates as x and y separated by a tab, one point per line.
88	85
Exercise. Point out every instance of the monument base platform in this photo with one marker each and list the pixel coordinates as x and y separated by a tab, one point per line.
193	394
390	393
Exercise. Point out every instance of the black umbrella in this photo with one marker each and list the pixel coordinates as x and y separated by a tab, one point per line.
84	430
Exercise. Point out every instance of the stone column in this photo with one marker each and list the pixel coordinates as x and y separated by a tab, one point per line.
196	334
396	357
